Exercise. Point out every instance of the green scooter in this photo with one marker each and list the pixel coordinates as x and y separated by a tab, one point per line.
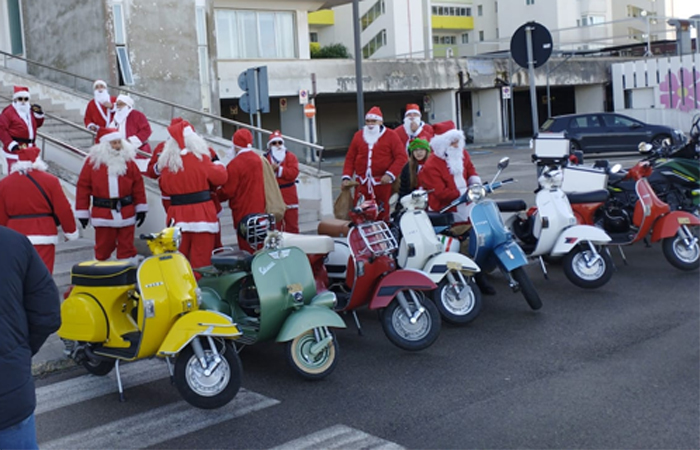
271	295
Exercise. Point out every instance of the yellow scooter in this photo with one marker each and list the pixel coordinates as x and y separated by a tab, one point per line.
117	312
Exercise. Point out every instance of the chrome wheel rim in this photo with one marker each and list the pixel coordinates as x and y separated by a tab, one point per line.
207	386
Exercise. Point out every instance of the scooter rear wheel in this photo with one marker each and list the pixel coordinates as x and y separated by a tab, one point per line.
411	336
98	367
527	288
309	366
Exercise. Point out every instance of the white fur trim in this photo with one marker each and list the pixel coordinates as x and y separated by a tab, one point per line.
373	116
43	239
109	137
113	223
219	163
39	116
98	83
393	177
21	94
474	179
412	111
11	148
21	166
141	207
188	131
198	227
126	99
441	142
82	214
72	236
135	141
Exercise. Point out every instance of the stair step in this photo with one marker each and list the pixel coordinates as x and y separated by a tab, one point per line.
76	251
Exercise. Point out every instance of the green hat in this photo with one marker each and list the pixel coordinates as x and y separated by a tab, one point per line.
418	143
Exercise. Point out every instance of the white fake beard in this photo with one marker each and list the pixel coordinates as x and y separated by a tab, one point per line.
101	96
115	160
371	134
455	160
120	115
22	108
407	125
279	153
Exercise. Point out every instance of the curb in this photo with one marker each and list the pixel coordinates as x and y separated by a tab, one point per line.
56	365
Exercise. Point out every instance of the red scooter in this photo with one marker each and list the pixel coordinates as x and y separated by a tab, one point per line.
361	270
630	211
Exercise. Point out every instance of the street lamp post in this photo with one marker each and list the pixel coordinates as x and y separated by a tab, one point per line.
645	14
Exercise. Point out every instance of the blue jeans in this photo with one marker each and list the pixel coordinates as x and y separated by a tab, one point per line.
20	436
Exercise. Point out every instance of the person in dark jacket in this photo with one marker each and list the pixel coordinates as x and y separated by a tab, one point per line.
418	151
30	311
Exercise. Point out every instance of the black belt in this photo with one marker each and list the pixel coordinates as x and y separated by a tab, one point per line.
189	199
282	186
22	140
112	203
30	216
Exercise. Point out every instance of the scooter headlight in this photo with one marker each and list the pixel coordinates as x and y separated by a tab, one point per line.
476	192
177	238
198	295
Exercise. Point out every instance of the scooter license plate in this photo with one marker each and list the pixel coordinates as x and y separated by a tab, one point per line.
452	265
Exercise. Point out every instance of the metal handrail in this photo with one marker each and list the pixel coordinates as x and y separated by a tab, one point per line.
165	102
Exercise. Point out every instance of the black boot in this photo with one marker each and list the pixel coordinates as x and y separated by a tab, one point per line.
485	286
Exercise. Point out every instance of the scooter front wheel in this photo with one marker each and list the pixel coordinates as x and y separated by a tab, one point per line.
527	288
208	391
310	365
579	271
679	253
412	335
459	307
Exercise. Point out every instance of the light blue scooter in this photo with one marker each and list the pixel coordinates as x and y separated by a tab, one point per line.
491	244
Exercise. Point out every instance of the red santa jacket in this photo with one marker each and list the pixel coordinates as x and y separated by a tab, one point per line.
137	130
14	131
98	115
197	176
440	183
24	209
425	132
100	184
386	156
287	174
245	189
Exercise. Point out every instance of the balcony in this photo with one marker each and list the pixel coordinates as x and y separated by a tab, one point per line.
452	23
322	18
440	50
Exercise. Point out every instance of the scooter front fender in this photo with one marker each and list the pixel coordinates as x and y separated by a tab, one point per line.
438	265
668	225
197	323
510	255
573	236
307	318
396	281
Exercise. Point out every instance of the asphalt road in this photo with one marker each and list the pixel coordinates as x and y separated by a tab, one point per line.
617	367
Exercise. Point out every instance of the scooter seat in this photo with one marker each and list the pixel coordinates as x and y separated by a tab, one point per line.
232	261
511	205
311	245
103	273
441	219
588	197
334	227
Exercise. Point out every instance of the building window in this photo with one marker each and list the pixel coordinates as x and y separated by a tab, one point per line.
125	74
480	10
587	21
452	11
313	36
529	2
481	35
374	44
465	38
445	40
372	14
255	34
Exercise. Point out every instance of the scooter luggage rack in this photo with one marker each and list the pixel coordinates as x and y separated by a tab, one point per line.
378	238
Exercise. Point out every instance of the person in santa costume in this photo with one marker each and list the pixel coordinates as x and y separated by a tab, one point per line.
286	167
188	174
18	124
447	174
413	127
245	188
28	210
375	158
418	150
132	123
112	180
100	110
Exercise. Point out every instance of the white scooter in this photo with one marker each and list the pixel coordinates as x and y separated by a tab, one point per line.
457	297
550	229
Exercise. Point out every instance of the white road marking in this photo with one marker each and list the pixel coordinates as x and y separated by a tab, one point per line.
340	437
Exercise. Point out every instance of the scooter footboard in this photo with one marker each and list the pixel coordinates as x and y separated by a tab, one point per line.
510	256
577	235
197	323
307	318
667	226
440	264
397	281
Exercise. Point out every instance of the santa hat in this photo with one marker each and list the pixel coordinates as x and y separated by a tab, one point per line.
412	108
21	91
28	154
27	159
108	135
243	138
179	130
98	83
374	114
275	136
445	134
126	99
443	127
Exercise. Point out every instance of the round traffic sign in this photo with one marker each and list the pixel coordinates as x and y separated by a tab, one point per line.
541	44
309	110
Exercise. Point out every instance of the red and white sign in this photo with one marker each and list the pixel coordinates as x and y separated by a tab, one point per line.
309	110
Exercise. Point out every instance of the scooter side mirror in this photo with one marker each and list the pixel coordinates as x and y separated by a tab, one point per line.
616	168
503	163
644	147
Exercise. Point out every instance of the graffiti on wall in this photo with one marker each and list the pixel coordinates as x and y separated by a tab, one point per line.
680	90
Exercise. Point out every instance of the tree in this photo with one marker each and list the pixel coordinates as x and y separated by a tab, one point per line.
329	51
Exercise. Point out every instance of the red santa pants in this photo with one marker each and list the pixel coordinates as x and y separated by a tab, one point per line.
48	255
382	193
108	238
290	223
197	248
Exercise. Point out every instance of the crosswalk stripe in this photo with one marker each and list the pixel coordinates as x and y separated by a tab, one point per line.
85	387
160	424
340	437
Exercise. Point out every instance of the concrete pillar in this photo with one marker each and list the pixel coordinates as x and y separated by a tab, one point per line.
486	114
443	106
589	98
294	123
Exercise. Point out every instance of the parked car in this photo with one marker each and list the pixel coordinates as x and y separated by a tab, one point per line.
609	132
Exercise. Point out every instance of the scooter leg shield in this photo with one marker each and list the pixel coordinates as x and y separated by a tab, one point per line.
396	281
197	323
510	255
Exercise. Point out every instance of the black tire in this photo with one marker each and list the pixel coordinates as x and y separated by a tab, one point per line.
403	334
189	377
454	310
679	255
657	141
526	287
305	364
576	270
98	367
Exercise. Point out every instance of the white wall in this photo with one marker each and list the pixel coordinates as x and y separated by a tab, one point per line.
407	34
444	106
486	114
589	98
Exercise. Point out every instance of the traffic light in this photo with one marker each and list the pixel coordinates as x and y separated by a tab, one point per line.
256	96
